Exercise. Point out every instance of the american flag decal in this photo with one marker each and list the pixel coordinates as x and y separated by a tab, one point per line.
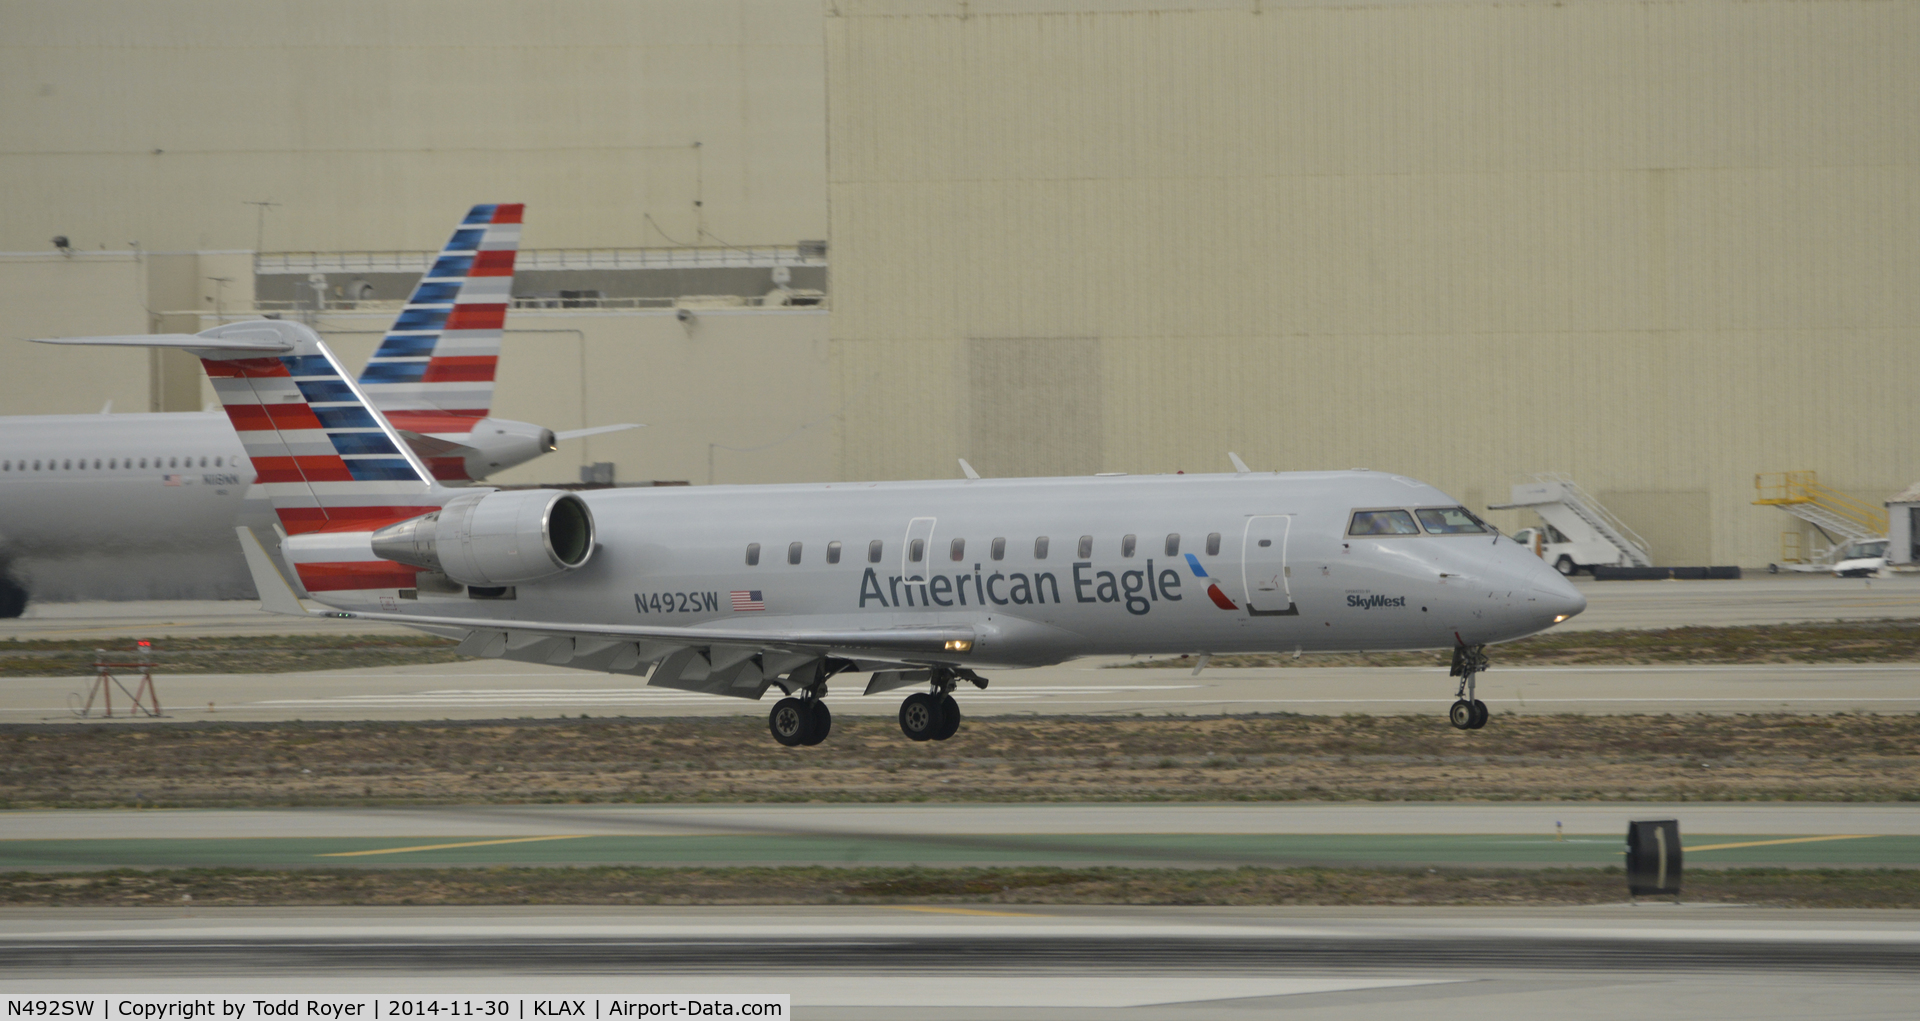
173	480
747	601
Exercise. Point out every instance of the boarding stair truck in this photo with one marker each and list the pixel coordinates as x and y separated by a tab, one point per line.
1577	533
1848	525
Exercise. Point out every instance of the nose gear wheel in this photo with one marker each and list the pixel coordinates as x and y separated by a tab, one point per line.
1468	712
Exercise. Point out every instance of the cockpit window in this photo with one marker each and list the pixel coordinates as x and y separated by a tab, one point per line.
1383	522
1450	521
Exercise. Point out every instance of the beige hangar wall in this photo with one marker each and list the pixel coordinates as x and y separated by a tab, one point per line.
373	123
1661	246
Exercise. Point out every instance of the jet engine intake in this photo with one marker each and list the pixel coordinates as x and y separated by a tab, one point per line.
494	537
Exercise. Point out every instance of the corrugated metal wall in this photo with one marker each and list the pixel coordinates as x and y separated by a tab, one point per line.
374	123
1659	245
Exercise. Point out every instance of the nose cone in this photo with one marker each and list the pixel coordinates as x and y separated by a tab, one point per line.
1557	596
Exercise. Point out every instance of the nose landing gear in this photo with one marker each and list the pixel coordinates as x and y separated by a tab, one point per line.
935	715
1468	712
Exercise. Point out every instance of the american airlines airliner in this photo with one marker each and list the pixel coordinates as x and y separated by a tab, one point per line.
83	498
736	590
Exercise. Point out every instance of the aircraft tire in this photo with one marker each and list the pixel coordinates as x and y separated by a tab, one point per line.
1480	715
820	722
790	722
13	598
1461	715
920	716
949	718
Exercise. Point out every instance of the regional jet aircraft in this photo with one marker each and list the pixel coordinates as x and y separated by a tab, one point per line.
90	492
733	590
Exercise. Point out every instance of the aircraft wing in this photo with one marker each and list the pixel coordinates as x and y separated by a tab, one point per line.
718	661
574	434
741	662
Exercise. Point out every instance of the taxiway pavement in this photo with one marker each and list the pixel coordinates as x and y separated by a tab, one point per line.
1045	964
1194	836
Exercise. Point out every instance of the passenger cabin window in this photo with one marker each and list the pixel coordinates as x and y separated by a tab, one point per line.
143	462
1086	546
753	554
1173	544
833	552
793	553
216	462
958	549
998	548
1127	545
1213	544
917	550
1450	521
873	551
1383	522
1040	548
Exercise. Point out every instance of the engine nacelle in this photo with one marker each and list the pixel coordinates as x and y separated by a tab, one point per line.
495	538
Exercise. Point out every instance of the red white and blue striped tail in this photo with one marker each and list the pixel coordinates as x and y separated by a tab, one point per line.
434	372
326	459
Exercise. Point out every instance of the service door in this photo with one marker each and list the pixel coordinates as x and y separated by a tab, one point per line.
1263	566
917	551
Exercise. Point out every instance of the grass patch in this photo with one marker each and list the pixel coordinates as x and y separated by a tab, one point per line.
612	885
228	654
1262	757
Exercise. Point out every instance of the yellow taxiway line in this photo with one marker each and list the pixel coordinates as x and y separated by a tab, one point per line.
443	847
1770	843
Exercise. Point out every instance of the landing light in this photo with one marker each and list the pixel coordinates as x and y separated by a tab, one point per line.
1559	617
959	645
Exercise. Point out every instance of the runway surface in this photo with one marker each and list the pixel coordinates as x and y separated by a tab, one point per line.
494	689
1060	964
1193	836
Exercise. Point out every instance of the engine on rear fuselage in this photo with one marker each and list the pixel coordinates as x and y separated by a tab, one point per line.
495	538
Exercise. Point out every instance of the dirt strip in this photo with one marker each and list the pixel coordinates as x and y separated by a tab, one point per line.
170	890
1265	757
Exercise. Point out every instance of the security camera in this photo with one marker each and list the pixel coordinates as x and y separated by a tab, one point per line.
685	315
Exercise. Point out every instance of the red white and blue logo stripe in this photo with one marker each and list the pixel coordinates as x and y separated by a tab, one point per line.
434	371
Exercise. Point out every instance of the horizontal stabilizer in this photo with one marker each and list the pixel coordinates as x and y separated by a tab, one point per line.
433	446
574	434
266	343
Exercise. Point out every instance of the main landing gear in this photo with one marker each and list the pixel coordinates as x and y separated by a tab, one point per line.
800	720
935	715
1468	713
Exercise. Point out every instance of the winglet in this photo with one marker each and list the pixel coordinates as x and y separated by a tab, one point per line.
276	596
1239	465
965	467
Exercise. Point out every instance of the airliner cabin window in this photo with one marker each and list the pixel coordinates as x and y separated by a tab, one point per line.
1383	522
753	554
833	552
1040	548
917	550
173	462
1127	545
959	549
216	462
1213	544
998	549
793	553
1173	544
1086	546
143	462
873	551
1450	521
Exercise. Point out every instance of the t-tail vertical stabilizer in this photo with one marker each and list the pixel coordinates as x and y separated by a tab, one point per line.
333	468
